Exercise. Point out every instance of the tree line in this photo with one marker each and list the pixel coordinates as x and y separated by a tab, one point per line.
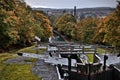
90	30
19	24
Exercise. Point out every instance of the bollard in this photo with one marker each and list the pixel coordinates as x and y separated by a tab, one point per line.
20	53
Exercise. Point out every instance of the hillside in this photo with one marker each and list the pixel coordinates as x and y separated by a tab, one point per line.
81	13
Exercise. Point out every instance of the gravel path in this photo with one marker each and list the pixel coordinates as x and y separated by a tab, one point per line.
18	60
45	70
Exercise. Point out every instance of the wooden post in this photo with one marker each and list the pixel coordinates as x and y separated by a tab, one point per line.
95	51
69	66
50	53
83	49
89	71
105	58
37	48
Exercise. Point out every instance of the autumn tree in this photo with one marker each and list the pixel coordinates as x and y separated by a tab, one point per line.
112	28
109	29
66	25
86	29
8	21
19	24
44	24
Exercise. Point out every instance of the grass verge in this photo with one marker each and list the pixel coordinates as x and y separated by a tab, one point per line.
18	71
90	58
31	50
102	51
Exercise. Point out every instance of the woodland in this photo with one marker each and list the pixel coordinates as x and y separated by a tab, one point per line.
19	24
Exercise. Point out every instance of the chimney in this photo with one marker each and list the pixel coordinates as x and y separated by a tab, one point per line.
75	11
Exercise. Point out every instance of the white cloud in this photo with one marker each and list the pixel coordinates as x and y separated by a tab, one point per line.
41	6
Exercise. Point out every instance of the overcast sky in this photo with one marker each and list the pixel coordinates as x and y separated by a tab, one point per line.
71	3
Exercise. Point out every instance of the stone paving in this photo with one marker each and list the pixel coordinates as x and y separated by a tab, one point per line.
112	59
44	70
117	66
